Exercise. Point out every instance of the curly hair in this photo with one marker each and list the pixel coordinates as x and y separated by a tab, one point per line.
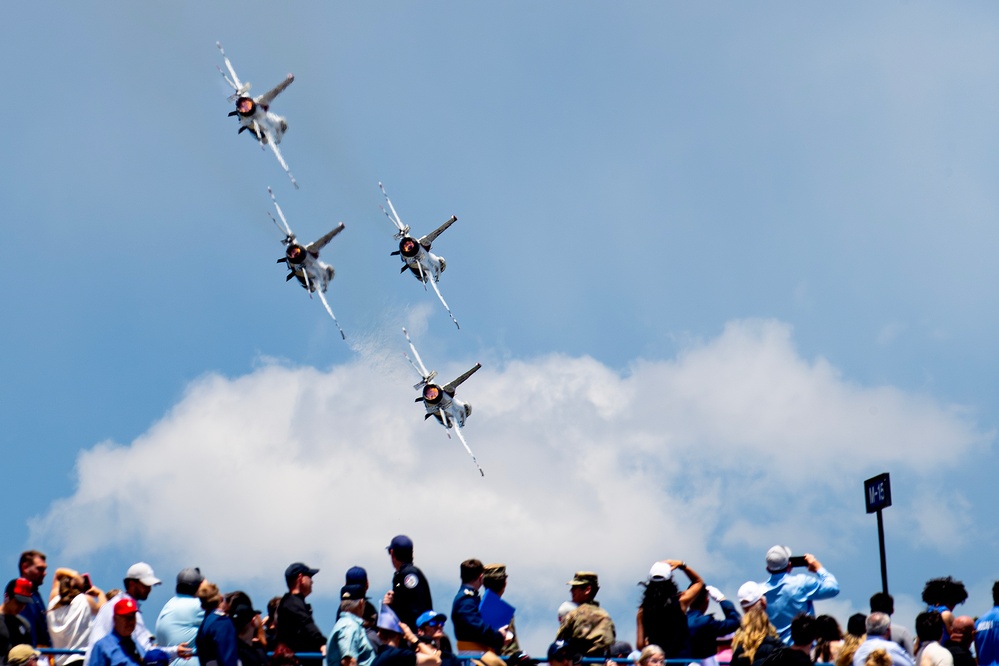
944	592
754	628
662	614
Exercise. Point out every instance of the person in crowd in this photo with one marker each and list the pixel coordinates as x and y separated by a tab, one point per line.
359	576
250	648
73	604
878	629
400	646
33	566
564	609
182	614
470	631
238	597
270	622
589	627
295	626
561	653
410	590
943	595
704	627
430	630
652	655
618	650
987	633
962	634
856	632
14	629
22	655
791	594
828	639
724	653
882	602
216	637
138	583
348	644
118	647
929	631
799	652
756	638
878	657
494	578
662	615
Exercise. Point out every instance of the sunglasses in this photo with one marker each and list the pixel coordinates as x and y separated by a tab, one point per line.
436	623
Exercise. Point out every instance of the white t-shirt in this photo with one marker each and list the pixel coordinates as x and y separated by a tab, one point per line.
69	626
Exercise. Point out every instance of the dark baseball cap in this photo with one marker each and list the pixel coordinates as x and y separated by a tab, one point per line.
400	542
293	571
561	649
356	576
351	592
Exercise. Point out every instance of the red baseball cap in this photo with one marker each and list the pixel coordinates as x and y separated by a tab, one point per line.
125	607
19	589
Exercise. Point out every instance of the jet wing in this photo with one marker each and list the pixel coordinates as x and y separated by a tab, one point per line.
432	236
315	246
280	159
268	97
451	386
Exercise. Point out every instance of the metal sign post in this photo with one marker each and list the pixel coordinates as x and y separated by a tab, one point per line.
877	495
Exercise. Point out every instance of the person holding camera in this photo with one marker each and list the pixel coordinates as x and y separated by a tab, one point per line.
791	594
73	603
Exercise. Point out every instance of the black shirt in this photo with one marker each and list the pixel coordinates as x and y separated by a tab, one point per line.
295	626
411	594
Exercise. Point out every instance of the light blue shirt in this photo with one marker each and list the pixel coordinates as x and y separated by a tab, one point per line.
790	595
899	657
178	623
348	639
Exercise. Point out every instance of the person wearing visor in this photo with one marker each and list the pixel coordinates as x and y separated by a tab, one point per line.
430	630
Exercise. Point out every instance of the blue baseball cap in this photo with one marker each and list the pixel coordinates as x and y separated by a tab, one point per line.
156	657
428	616
352	592
561	649
293	570
400	542
356	576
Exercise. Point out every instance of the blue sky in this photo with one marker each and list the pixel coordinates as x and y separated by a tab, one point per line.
721	263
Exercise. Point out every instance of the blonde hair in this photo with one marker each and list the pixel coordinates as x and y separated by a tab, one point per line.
209	595
754	628
878	657
648	652
848	649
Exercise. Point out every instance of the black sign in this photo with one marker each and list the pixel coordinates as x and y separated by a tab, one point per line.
877	492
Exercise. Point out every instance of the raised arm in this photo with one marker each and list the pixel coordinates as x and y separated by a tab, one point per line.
695	587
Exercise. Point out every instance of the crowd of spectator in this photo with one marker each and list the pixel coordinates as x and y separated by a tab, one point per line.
82	625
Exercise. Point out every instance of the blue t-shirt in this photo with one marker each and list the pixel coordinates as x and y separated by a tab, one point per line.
987	638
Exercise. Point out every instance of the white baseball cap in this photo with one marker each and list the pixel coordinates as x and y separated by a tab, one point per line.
143	573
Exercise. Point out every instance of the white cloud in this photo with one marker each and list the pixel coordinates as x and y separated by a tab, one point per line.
585	468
